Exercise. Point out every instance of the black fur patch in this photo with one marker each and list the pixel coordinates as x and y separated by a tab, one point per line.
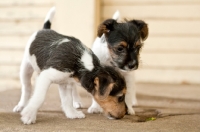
118	78
66	57
47	25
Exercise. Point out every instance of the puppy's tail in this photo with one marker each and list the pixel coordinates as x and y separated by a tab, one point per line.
116	15
49	18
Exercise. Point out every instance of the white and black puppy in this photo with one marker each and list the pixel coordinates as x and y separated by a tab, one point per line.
118	45
65	61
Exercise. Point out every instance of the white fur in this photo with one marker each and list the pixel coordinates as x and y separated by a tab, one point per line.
76	98
33	63
95	107
50	15
63	41
130	97
66	99
87	61
26	72
60	41
100	49
116	15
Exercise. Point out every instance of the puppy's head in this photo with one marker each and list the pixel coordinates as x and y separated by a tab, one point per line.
109	92
124	41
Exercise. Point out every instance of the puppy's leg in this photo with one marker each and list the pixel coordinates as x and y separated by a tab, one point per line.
95	107
130	93
29	112
128	101
76	97
134	99
67	102
26	72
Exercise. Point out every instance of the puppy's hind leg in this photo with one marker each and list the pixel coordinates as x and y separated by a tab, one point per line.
26	72
65	91
76	98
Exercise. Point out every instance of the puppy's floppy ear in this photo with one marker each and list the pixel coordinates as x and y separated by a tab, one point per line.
103	86
143	28
106	26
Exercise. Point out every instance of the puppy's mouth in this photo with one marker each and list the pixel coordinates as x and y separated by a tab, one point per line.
126	68
123	68
110	116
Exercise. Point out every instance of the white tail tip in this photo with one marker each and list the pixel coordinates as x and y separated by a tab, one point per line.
50	14
116	15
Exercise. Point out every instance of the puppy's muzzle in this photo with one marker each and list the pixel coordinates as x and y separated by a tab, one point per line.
132	65
110	116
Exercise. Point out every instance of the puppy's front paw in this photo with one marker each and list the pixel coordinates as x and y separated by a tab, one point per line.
77	105
18	108
75	114
28	116
95	110
131	111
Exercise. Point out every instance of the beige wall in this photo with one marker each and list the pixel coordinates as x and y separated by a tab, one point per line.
77	18
171	53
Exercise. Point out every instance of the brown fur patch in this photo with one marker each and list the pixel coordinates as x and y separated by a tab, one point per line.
112	107
137	43
144	32
96	82
101	30
124	91
123	43
76	79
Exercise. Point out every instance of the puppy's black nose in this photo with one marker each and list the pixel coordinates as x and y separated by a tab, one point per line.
131	64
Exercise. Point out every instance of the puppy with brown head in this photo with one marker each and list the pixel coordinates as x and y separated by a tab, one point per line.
111	98
108	89
64	60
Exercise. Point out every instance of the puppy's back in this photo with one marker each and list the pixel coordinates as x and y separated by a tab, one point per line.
52	49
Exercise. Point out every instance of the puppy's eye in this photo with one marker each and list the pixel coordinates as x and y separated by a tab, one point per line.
121	98
120	48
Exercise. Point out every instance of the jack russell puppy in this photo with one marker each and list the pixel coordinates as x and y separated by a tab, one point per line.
64	60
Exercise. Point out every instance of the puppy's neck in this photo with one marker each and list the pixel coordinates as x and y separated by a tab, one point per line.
100	48
86	78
